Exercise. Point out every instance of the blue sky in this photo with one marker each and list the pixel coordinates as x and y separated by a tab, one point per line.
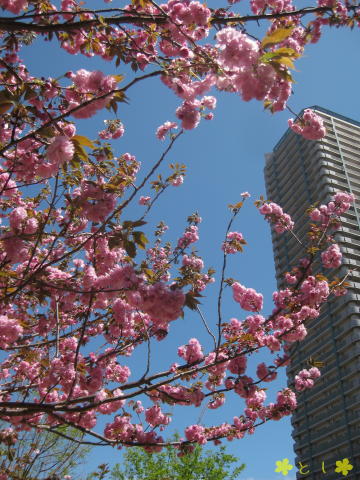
224	157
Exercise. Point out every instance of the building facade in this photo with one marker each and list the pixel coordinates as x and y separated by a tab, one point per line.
298	173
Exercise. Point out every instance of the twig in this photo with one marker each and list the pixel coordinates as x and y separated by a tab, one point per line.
78	107
57	330
206	325
235	212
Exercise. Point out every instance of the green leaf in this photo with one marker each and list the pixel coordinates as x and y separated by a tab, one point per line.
119	97
81	140
127	224
47	132
282	72
287	61
140	239
130	248
282	61
276	37
115	241
238	205
139	223
9	273
109	187
190	301
80	151
279	53
119	78
287	52
149	273
112	106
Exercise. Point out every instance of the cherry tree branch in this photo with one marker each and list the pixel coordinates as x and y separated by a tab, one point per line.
54	120
10	25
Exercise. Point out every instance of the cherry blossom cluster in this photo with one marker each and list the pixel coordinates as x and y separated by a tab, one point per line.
60	150
10	331
305	378
188	14
310	125
144	200
155	417
234	242
192	274
122	430
196	263
264	373
240	58
248	298
14	6
114	129
340	203
258	6
164	129
159	257
285	404
190	236
274	214
332	256
191	352
237	62
88	85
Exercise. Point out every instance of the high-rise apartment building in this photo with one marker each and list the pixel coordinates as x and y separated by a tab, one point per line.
298	173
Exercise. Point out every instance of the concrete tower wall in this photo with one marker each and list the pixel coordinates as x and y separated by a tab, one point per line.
298	173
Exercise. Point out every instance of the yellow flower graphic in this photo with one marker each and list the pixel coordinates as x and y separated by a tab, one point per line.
343	466
284	466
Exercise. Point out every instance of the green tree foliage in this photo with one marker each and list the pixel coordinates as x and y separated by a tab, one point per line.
199	464
40	455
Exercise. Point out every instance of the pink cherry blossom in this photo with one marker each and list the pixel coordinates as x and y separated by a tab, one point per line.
193	262
10	331
274	214
60	150
17	218
248	298
314	292
14	6
144	200
310	125
162	131
177	181
155	417
190	236
305	378
196	433
192	352
233	243
331	257
114	130
189	115
237	50
264	373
